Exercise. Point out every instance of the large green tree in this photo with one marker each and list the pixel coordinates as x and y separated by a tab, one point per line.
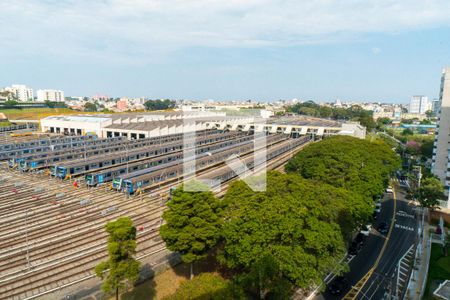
429	193
355	164
121	267
296	222
192	224
159	104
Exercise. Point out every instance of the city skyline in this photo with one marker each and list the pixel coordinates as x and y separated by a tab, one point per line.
228	50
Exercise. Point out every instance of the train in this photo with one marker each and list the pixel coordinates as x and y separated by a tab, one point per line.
141	167
81	166
53	140
54	148
100	147
131	184
38	160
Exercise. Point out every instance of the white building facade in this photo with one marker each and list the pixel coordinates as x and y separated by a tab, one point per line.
419	105
21	92
440	161
50	95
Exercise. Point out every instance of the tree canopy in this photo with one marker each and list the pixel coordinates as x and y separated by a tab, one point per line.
296	222
355	113
342	161
159	104
121	267
91	107
429	193
192	224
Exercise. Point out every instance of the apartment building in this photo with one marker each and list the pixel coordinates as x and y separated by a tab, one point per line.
440	161
50	95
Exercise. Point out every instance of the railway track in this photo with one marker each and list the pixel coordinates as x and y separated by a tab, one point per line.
49	240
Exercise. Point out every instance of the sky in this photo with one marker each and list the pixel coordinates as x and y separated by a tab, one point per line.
360	50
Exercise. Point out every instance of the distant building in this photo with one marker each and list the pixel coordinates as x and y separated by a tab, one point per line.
419	105
122	104
21	92
436	106
440	160
50	95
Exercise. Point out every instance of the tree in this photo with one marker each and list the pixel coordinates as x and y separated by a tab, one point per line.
295	222
90	107
357	165
430	192
264	280
159	104
430	114
207	286
192	224
384	121
407	131
426	148
121	267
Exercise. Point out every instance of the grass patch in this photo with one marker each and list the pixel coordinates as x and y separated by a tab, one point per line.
438	270
5	123
35	113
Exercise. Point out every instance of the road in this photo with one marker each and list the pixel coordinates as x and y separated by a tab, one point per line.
372	271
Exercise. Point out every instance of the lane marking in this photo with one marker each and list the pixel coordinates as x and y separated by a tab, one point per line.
354	292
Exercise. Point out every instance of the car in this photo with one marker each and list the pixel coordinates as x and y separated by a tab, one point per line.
338	286
354	248
378	207
357	244
366	229
389	190
383	228
360	238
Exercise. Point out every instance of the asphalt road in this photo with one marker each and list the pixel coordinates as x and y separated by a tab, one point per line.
404	233
401	238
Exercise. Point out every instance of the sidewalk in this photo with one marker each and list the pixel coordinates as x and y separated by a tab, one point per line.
419	273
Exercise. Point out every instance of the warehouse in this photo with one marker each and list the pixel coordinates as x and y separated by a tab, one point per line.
138	126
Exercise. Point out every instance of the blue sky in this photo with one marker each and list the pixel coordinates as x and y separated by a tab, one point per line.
375	50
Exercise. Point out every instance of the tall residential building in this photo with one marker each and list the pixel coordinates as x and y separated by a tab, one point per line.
50	95
419	105
440	163
436	106
21	92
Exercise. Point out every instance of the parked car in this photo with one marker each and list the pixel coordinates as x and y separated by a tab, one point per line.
354	248
338	286
389	190
357	244
383	228
360	238
378	207
366	229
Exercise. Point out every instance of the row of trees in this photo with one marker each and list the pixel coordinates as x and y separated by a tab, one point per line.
296	231
354	113
159	104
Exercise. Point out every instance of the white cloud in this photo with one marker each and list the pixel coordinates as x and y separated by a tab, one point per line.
143	30
376	50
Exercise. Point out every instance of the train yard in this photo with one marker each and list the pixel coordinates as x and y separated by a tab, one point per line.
52	227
